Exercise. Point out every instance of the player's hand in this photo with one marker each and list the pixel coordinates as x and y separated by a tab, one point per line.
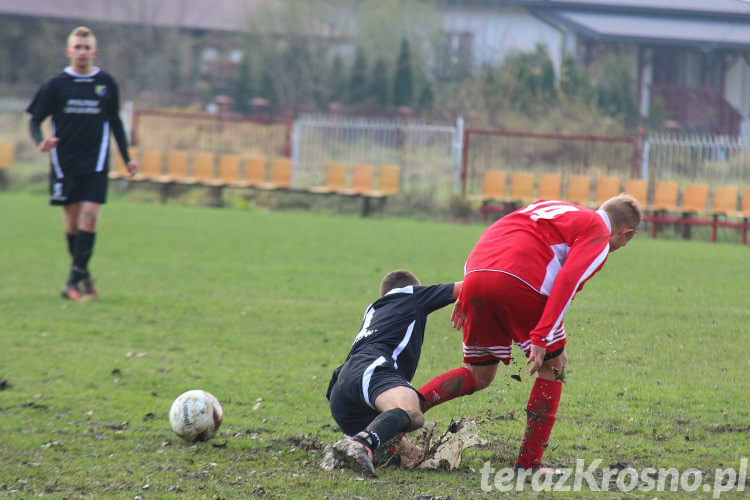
132	167
536	358
48	143
457	317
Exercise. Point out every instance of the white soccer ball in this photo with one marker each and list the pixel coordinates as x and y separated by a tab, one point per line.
196	416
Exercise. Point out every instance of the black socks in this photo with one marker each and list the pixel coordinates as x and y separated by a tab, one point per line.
384	428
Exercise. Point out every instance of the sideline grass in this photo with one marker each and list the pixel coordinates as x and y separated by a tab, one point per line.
258	308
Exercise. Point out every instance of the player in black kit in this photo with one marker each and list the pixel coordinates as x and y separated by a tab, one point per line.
84	104
371	396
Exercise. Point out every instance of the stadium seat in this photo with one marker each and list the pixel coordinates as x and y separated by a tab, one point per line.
389	180
493	187
362	180
665	197
255	170
151	166
7	155
334	179
281	174
638	189
521	187
693	207
606	188
203	168
578	189
664	206
745	213
550	186
724	209
229	171
177	167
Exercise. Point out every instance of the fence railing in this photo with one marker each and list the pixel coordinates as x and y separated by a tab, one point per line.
427	154
712	159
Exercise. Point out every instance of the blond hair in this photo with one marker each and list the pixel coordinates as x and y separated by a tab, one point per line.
623	211
82	32
397	279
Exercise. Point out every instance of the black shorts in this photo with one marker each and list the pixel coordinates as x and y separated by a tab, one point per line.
73	189
356	385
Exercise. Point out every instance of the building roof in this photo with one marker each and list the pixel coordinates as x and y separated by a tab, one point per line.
221	15
677	30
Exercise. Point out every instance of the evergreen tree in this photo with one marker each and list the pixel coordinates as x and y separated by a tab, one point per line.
242	87
403	91
337	81
358	78
379	82
426	97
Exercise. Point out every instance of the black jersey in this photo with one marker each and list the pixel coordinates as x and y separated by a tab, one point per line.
82	109
394	325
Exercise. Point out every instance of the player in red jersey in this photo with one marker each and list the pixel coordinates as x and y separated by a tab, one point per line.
519	280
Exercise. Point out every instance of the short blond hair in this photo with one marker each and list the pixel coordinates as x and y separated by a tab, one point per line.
624	211
82	32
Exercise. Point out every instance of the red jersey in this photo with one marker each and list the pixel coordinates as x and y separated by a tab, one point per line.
552	246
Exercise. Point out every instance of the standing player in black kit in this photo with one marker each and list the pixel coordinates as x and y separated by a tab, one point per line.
84	104
371	396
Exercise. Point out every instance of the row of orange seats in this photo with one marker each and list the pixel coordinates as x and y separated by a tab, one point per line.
205	168
227	170
666	203
523	188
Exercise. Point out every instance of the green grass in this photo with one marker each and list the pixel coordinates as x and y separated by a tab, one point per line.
258	307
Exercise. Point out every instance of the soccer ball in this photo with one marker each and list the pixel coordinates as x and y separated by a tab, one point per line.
195	416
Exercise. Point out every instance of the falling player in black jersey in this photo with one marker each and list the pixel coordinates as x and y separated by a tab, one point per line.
84	104
371	396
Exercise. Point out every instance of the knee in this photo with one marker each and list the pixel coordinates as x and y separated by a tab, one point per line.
416	418
483	375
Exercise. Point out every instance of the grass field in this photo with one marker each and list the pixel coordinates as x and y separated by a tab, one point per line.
258	308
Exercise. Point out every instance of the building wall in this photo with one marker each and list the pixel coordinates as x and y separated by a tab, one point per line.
501	30
737	91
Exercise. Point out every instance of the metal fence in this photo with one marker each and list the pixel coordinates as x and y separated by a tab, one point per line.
695	158
513	151
167	129
429	155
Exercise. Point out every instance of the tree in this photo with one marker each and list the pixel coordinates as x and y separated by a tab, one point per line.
403	86
243	88
426	97
358	78
379	82
337	81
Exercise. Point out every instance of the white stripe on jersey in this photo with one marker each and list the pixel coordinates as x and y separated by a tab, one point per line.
498	351
366	379
53	153
586	275
560	252
103	148
402	345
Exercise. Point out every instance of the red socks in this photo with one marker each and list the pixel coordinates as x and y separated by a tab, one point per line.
451	384
540	411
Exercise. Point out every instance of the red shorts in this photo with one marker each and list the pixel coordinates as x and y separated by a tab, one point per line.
500	309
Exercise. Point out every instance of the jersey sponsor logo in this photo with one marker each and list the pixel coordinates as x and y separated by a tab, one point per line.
100	90
82	107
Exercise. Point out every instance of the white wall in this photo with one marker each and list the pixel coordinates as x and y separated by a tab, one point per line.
737	92
501	30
